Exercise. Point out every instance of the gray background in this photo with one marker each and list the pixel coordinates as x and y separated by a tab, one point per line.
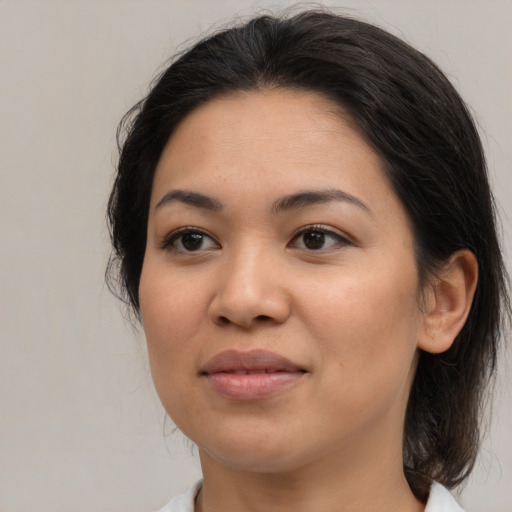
81	428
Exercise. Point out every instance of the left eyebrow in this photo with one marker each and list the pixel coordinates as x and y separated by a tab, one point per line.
313	197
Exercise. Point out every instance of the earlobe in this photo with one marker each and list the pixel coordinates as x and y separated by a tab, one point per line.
448	301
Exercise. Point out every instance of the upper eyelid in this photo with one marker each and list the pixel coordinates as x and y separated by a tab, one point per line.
324	228
340	240
170	237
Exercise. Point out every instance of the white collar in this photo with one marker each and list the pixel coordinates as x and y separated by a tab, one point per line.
440	500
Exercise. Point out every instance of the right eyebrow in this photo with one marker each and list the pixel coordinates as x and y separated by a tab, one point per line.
191	198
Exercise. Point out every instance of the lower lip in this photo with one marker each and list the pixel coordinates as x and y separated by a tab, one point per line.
252	386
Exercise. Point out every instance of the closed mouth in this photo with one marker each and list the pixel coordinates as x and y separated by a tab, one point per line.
251	362
250	376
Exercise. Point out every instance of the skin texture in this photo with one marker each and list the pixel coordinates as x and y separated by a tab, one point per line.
349	312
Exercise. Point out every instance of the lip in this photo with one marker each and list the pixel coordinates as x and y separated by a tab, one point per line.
249	376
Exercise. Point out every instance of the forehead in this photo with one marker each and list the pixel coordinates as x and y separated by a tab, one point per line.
282	116
275	141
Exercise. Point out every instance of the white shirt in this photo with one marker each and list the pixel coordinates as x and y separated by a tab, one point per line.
440	500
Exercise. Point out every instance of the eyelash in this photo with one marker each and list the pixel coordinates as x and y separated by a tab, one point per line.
172	238
168	242
341	240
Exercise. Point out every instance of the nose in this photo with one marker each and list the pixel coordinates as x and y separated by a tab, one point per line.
251	290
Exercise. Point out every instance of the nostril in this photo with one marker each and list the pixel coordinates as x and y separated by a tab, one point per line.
224	320
263	318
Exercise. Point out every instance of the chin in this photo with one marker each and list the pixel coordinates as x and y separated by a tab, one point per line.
262	451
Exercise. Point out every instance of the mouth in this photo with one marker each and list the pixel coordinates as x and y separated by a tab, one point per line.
249	376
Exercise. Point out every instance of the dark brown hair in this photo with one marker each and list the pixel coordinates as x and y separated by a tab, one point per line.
430	150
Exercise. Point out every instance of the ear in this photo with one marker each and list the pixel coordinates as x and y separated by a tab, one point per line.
447	299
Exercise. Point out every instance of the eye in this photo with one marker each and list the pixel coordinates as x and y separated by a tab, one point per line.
316	238
189	240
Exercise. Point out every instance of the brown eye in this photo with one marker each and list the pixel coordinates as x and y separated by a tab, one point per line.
313	240
190	240
316	239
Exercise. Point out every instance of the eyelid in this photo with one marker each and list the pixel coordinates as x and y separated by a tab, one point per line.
166	243
329	230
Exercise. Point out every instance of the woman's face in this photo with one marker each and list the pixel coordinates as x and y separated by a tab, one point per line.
279	291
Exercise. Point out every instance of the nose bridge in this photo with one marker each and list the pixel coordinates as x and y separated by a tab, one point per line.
248	271
250	288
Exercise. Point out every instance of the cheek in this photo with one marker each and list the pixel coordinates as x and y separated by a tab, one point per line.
367	317
171	314
367	329
168	303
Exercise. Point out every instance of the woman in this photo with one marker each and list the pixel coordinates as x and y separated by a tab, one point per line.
302	222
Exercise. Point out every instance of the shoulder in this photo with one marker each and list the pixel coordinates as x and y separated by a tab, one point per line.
440	500
183	502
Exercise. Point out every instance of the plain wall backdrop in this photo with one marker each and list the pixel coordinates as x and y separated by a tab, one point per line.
81	428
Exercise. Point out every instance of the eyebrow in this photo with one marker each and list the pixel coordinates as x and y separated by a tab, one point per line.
312	197
191	198
295	201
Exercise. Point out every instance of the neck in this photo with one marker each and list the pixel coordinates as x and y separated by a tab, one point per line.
375	482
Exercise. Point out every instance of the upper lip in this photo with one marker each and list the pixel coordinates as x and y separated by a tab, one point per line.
253	360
